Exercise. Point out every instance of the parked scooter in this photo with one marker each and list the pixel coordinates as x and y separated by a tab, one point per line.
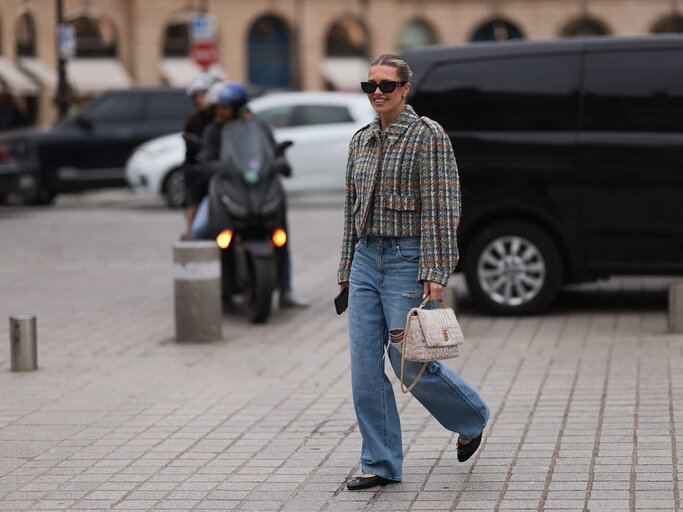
246	216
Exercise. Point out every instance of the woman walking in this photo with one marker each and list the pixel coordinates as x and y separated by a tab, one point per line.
401	212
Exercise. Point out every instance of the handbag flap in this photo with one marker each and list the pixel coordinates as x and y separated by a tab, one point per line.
439	327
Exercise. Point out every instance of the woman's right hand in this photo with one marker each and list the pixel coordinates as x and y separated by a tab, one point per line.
343	285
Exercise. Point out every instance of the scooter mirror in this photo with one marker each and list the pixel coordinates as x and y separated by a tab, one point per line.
282	146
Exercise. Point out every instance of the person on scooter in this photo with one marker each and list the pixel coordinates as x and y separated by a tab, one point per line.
195	125
230	104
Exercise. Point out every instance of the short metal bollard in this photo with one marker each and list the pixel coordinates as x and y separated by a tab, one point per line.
676	307
23	343
197	289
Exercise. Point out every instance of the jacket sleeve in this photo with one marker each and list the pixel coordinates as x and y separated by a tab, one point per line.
440	195
211	140
350	237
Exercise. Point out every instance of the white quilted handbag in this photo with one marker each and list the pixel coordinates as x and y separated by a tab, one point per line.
430	335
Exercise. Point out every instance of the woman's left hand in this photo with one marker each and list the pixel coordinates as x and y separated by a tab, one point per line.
434	290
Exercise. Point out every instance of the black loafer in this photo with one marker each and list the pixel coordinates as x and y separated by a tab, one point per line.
465	451
361	482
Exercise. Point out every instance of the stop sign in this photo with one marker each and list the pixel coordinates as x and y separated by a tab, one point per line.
204	53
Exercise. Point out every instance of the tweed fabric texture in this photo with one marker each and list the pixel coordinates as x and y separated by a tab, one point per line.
432	335
403	182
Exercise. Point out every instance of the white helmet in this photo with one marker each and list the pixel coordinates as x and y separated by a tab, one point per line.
211	96
201	84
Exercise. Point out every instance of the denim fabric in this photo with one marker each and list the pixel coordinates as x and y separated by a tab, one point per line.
383	288
200	223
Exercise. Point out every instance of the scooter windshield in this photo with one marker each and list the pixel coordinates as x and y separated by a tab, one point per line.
247	149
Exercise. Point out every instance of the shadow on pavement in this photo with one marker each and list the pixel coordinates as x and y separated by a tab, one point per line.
585	300
610	300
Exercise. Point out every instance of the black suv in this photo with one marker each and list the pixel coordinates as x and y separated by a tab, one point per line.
571	160
90	148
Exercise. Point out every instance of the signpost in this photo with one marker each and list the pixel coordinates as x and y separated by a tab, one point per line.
67	41
203	36
66	49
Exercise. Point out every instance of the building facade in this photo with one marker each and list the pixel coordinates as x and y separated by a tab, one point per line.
283	44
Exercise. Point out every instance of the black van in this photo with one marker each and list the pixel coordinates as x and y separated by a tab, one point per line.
570	155
90	148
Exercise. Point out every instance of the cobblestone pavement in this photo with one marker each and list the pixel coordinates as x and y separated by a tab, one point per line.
586	401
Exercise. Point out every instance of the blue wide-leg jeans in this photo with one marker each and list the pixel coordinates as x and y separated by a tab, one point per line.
383	288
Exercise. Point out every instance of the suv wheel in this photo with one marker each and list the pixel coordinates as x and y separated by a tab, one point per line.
174	189
44	197
38	195
512	268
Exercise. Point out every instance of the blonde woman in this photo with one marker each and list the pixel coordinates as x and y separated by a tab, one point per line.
401	212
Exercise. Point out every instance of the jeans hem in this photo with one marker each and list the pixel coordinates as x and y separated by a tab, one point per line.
383	475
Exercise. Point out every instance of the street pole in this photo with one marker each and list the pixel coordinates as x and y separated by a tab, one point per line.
62	96
299	47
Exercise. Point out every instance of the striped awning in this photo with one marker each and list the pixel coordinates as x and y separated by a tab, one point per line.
92	76
15	80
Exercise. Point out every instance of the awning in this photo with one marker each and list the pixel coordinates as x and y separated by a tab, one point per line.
39	71
345	73
17	81
92	76
180	72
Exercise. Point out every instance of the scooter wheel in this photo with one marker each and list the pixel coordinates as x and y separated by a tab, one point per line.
260	288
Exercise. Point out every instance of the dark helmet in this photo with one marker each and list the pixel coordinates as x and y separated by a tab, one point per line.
233	94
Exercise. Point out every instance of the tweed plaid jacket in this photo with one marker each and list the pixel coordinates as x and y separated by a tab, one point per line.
403	182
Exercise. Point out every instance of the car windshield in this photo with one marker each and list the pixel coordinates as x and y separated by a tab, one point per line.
112	108
79	111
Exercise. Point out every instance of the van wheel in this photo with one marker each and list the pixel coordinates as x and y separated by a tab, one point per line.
174	189
512	268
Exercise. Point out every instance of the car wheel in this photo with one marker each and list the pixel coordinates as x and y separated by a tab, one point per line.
44	197
512	268
174	189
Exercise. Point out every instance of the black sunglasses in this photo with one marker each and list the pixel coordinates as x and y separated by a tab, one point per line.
385	87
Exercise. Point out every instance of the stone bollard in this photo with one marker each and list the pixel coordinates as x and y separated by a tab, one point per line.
676	307
23	343
197	290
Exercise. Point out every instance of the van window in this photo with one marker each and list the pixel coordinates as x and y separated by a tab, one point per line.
529	93
637	91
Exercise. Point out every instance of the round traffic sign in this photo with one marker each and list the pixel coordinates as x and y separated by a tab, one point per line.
204	53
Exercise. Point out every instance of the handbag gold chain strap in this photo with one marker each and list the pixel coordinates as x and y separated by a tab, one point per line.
403	351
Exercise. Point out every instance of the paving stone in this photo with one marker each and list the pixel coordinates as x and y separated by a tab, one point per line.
135	505
52	505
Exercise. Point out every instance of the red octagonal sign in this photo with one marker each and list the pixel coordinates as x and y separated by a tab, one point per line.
204	53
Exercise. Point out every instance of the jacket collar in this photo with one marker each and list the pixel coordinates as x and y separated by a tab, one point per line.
395	129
